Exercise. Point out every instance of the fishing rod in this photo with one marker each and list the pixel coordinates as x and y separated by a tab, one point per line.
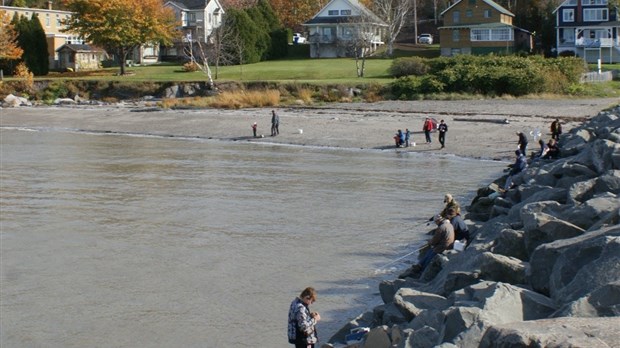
402	257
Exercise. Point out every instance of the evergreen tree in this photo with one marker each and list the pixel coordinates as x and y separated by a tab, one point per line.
39	57
31	38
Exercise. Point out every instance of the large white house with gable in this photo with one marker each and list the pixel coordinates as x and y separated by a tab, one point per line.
340	23
198	18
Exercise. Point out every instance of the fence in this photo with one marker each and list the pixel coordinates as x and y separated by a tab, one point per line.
597	77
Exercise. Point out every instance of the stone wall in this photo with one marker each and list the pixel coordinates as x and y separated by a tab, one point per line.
542	270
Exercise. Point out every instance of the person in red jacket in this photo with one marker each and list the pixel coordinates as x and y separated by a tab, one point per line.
427	128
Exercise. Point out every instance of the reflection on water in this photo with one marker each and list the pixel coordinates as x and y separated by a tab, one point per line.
112	240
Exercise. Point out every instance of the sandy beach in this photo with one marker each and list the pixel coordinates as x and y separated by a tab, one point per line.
477	128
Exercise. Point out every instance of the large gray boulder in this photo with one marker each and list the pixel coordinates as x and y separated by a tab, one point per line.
592	211
571	268
511	243
502	268
554	333
411	302
488	303
598	156
543	228
602	302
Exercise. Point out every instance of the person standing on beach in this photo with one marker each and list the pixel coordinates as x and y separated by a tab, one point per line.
427	128
407	137
301	322
254	126
275	123
443	129
522	143
556	129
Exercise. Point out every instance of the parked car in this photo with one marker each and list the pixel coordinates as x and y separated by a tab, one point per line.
298	39
425	39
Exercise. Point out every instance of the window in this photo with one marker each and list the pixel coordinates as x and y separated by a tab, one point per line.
595	14
47	19
472	2
456	17
594	2
568	15
568	36
502	34
332	12
58	22
469	13
191	17
487	13
345	12
571	2
456	35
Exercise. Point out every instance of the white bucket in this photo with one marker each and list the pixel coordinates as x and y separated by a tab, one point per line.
458	245
301	131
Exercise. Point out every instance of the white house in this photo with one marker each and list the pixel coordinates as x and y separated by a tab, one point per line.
590	29
198	19
334	29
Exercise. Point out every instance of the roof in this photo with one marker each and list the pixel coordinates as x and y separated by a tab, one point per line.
493	4
354	4
80	48
191	4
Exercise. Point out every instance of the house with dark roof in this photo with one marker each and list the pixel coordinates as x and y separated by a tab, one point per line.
334	29
77	57
481	27
589	29
198	18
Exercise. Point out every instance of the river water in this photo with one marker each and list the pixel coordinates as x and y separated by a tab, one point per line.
134	241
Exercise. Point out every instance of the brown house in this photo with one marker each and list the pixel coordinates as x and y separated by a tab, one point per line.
80	57
481	27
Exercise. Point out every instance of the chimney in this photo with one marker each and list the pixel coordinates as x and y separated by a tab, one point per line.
49	4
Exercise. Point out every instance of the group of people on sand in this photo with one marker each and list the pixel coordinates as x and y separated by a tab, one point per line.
404	139
549	150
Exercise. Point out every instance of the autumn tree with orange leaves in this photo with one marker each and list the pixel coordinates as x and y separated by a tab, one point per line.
8	39
122	25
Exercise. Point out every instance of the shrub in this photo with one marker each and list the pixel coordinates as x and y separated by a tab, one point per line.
405	87
406	66
25	78
190	67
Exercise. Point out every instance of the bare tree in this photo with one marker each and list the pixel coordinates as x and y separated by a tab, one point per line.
196	52
222	39
394	13
359	43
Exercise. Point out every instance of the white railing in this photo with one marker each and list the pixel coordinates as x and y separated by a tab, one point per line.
594	42
596	77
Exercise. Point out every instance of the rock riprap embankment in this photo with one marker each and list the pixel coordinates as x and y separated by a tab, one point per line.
542	270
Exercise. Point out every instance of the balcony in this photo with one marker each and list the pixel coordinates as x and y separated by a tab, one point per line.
595	43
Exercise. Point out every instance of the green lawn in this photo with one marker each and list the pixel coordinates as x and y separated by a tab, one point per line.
316	71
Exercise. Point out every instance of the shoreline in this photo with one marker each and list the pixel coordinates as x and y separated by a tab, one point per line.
475	130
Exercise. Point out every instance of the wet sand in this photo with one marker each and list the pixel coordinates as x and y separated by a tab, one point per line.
477	129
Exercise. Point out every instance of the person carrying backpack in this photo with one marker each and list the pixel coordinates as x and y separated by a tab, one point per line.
301	322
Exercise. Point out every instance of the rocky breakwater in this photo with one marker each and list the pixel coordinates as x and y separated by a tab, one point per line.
542	270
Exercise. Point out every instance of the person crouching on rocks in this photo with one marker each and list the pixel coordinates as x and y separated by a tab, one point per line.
443	239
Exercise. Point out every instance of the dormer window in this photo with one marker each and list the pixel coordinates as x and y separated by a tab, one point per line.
332	12
345	12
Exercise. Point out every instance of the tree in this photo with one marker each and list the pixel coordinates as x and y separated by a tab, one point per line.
31	38
122	25
9	48
394	13
360	42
